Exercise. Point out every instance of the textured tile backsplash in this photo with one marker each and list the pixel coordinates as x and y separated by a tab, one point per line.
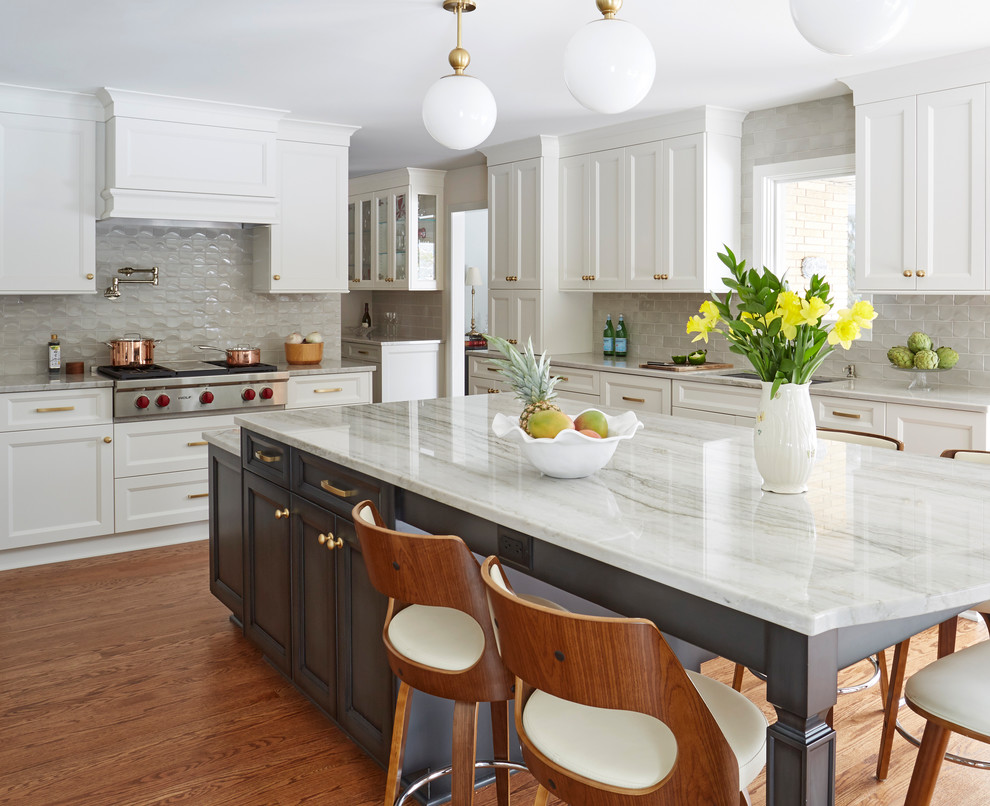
203	296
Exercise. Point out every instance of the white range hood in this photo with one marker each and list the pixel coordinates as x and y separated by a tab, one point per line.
179	159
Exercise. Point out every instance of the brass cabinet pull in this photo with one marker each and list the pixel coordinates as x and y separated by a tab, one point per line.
563	379
908	273
921	272
588	277
89	276
847	414
326	391
664	277
330	541
326	485
276	276
355	279
55	408
198	495
267	457
281	513
513	341
634	399
108	440
196	444
362	352
492	369
494	391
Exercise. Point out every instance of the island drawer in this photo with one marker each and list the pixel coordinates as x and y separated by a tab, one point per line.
585	381
266	457
332	486
850	414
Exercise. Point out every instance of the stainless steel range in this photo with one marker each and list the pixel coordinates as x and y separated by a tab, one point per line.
185	388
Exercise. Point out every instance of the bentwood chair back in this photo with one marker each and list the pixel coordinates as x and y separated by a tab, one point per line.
439	639
607	715
860	438
946	647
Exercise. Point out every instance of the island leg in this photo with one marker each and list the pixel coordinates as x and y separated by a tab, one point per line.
802	676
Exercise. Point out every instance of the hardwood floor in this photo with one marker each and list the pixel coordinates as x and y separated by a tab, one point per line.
123	683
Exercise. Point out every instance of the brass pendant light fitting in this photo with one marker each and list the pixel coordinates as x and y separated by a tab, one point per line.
459	58
609	8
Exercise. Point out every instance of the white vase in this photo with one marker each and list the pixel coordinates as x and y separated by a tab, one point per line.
785	439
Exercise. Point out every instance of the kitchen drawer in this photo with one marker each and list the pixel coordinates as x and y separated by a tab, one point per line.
479	367
340	389
718	398
337	488
868	416
267	458
21	411
585	401
705	416
361	352
636	393
586	381
489	386
161	499
163	446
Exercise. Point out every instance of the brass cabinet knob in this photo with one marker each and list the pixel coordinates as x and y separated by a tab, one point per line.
281	513
108	440
664	277
89	276
921	272
656	276
276	276
908	273
493	391
330	541
513	341
511	278
355	279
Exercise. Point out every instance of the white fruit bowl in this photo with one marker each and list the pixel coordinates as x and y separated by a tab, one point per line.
569	455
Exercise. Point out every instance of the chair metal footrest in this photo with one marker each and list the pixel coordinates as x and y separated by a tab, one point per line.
423	780
963	760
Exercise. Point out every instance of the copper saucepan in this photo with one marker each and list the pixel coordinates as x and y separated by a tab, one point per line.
239	356
132	350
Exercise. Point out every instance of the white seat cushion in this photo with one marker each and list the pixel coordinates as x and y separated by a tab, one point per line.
955	689
440	637
632	750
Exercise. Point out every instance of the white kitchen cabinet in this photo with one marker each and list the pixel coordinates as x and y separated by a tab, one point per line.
395	230
484	378
930	430
516	220
577	381
848	414
331	389
713	402
306	252
404	370
636	392
921	192
56	468
47	204
517	316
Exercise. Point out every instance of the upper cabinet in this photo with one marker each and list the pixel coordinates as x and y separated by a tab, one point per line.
395	231
516	224
651	212
921	183
306	251
48	169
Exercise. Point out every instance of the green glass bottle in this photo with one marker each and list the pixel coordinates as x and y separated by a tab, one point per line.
621	339
608	337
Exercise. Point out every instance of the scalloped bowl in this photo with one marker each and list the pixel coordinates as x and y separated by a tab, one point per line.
569	455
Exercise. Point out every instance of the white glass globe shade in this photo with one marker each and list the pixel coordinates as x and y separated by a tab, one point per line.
459	111
609	66
849	27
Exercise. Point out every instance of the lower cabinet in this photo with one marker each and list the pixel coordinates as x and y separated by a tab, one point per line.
226	540
636	392
931	430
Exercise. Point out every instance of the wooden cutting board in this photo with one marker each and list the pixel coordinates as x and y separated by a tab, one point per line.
672	367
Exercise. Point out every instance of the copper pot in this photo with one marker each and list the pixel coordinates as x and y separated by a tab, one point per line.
239	356
132	350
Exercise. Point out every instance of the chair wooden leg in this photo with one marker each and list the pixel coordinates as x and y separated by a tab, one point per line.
737	677
892	703
947	636
542	796
463	753
884	677
744	799
933	744
986	618
500	745
393	779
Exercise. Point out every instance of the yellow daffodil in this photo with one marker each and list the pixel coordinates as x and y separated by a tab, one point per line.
700	326
845	332
812	310
861	313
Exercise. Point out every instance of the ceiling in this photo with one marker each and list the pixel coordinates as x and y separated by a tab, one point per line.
369	62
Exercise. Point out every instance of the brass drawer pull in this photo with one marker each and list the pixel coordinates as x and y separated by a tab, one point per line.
55	408
281	513
847	414
362	352
326	485
330	541
267	457
563	379
327	391
634	399
196	444
198	495
492	369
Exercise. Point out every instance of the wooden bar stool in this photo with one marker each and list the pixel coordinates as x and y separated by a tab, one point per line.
439	640
607	715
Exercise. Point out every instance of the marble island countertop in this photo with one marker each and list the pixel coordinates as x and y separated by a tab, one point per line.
879	535
41	381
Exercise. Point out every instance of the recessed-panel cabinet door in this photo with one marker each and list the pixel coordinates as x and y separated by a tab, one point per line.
608	219
682	264
644	197
575	223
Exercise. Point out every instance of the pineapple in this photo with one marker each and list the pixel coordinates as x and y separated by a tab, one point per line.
529	376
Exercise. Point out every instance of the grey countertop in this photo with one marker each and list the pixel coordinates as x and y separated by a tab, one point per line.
380	340
227	439
327	367
43	382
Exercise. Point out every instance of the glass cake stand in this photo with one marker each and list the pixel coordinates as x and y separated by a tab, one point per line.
920	381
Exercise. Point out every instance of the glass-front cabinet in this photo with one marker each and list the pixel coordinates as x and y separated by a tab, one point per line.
397	230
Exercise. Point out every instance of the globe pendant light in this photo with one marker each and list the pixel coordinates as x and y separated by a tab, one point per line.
849	27
459	110
609	65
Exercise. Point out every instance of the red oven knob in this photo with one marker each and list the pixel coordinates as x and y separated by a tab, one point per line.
162	401
267	393
142	402
206	397
248	394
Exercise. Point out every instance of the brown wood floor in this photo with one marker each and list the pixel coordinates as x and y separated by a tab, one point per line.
123	683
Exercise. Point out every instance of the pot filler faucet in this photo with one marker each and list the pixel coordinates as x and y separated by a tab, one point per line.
113	290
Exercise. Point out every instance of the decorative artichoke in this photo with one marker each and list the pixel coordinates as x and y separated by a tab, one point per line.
919	341
900	357
926	359
947	357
